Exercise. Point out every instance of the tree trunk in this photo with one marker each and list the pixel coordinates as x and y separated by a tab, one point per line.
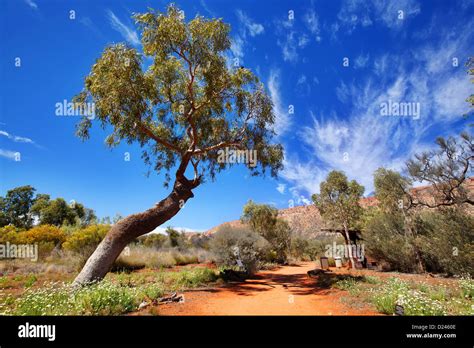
131	227
349	246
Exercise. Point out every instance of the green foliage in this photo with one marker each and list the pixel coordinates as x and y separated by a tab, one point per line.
193	278
309	249
446	241
176	239
8	233
445	170
40	234
338	200
188	104
58	212
153	240
391	190
231	244
85	240
264	220
443	238
15	207
386	240
467	287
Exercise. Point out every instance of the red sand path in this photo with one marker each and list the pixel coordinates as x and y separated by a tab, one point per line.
284	291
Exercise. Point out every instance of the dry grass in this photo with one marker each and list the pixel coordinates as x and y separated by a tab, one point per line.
141	257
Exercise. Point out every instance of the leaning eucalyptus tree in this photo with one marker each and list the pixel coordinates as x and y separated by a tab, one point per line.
182	109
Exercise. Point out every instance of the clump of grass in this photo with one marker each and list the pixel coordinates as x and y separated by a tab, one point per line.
30	280
192	278
345	284
141	257
385	299
371	280
467	287
185	259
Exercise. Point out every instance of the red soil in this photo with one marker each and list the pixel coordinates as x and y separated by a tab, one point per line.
284	291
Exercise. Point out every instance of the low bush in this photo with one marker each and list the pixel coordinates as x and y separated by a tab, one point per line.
84	241
386	241
446	241
239	247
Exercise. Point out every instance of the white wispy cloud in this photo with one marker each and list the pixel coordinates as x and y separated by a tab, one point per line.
15	138
363	140
239	40
11	155
127	33
237	47
282	117
290	39
361	61
32	4
253	28
360	13
281	188
303	88
311	20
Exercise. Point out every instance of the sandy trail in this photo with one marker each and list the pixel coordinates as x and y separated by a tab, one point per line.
284	291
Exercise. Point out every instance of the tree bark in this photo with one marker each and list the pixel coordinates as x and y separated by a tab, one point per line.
349	246
131	227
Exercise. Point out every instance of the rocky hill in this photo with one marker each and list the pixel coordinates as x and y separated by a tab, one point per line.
306	220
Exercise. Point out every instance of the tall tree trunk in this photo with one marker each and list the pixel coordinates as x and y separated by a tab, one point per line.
349	245
131	227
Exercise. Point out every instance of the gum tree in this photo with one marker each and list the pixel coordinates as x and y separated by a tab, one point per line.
338	202
181	110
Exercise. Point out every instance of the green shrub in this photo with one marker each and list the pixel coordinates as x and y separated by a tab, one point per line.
154	240
311	249
184	259
84	241
446	241
386	240
230	245
41	234
30	280
9	234
193	278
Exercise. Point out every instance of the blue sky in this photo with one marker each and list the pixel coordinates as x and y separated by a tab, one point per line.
408	56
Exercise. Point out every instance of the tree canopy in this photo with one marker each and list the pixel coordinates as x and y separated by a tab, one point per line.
338	200
21	208
188	104
445	170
